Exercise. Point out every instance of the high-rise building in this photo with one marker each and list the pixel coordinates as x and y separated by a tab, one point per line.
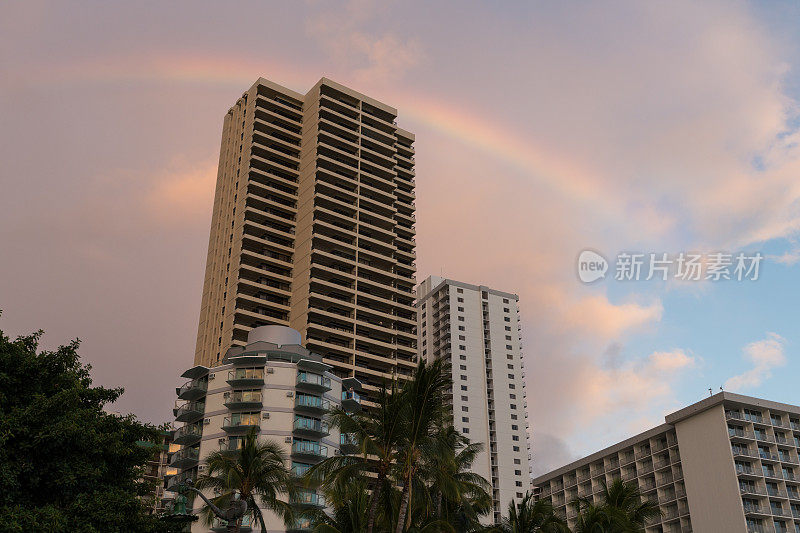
272	385
313	228
476	331
728	463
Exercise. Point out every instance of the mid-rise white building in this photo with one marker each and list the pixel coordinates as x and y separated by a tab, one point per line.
476	330
273	385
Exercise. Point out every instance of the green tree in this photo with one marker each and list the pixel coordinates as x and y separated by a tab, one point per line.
529	516
65	463
453	493
376	435
619	510
349	503
424	412
258	471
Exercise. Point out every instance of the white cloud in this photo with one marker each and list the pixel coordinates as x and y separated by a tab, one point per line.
765	355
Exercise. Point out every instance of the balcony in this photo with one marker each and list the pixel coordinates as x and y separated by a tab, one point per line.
309	450
310	426
243	399
184	458
311	404
241	377
306	498
351	401
242	422
192	390
314	382
189	412
188	434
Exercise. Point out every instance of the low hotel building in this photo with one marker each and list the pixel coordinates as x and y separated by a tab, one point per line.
728	463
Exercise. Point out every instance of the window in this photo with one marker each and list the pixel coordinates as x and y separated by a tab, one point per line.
519	495
508	337
515	438
461	309
461	319
509	357
517	462
464	408
463	367
484	295
510	367
516	448
463	378
505	300
462	357
462	338
518	483
514	427
508	328
511	376
509	347
507	319
462	347
513	406
460	328
463	387
505	310
459	291
517	472
513	417
464	398
465	419
460	300
512	386
465	430
512	396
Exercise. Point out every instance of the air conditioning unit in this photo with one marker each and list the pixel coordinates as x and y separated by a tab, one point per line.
226	395
206	421
210	377
264	415
287	439
270	370
289	394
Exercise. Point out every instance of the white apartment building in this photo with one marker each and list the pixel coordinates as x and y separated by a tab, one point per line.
476	330
273	385
726	464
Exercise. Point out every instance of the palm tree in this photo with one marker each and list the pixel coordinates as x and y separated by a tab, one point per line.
349	504
424	412
620	510
258	471
377	434
529	516
455	494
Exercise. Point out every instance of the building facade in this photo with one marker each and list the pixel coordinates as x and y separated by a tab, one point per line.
728	463
476	331
273	385
313	228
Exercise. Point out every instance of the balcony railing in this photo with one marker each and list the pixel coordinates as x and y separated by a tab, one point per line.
188	434
310	425
315	381
193	390
246	376
243	398
311	403
308	448
184	457
241	421
308	498
189	411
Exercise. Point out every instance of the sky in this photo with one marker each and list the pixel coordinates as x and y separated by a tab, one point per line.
542	129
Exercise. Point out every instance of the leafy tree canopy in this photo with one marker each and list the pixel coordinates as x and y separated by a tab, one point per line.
65	463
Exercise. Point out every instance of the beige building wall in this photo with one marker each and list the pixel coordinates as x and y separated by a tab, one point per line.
710	476
313	227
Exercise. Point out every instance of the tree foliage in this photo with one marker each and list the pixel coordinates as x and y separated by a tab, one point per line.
65	463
